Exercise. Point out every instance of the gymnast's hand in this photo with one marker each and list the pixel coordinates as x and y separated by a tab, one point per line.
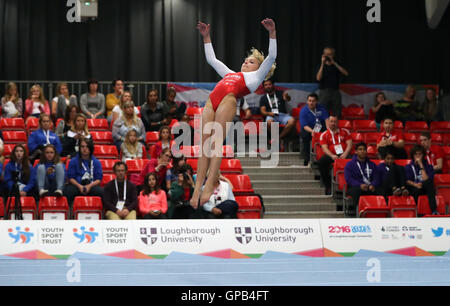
269	24
204	29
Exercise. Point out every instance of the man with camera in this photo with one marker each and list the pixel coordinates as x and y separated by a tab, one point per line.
180	194
328	76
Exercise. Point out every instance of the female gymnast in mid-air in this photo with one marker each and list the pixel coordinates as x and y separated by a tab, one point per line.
221	105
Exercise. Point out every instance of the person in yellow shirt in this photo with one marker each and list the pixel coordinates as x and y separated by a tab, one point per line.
113	99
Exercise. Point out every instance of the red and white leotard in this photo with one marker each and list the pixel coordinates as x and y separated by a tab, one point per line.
238	83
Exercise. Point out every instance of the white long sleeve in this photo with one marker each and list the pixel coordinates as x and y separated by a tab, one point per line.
220	67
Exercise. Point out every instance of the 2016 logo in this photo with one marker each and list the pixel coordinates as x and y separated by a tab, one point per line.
24	236
243	234
149	235
85	236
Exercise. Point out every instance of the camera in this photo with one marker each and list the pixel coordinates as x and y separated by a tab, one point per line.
85	182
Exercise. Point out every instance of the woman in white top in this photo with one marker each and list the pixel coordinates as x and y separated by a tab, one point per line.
127	121
12	104
62	100
78	132
118	109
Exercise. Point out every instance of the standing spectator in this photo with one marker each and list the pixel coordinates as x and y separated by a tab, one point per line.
434	154
313	119
420	176
11	103
171	108
391	140
92	103
273	108
360	175
329	75
20	168
152	199
391	177
153	112
113	99
158	165
180	194
62	101
120	196
85	173
79	131
131	148
68	122
128	121
382	108
336	143
36	104
222	203
408	109
50	173
117	111
43	136
431	108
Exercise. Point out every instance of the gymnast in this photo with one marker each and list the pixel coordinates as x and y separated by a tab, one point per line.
221	105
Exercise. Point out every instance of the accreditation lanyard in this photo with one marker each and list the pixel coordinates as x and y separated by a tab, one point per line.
318	126
337	148
417	178
365	179
124	190
275	100
91	169
47	136
429	160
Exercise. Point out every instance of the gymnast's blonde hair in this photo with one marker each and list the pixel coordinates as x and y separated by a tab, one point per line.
260	58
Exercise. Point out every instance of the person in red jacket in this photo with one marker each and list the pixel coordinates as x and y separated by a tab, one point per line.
435	155
152	199
36	104
391	140
158	165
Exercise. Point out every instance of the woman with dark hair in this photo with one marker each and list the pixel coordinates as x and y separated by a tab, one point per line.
50	172
419	177
153	112
78	131
20	169
92	103
69	120
43	136
152	199
430	107
382	108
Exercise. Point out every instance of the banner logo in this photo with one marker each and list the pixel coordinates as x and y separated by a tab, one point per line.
149	235
24	236
243	234
85	236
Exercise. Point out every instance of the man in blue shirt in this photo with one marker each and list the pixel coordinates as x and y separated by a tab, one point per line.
313	119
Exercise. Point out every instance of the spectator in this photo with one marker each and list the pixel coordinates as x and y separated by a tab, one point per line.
120	196
36	104
158	165
273	108
391	177
328	75
382	108
20	169
152	199
336	144
153	112
62	101
434	154
172	173
68	122
180	194
313	119
420	176
92	103
12	104
50	173
113	99
408	109
85	173
131	148
117	111
79	131
171	108
222	203
2	148
360	175
128	121
43	136
165	141
391	140
431	108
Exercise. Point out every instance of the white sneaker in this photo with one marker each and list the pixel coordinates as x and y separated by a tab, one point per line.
43	193
58	193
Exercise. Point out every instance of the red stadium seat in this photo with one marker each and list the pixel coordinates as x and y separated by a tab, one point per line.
442	184
371	138
231	166
241	184
106	152
373	207
437	139
416	127
423	206
193	163
54	208
151	138
402	162
440	127
14	124
108	165
345	124
28	205
410	138
2	208
136	165
32	124
87	208
446	167
98	125
192	111
353	113
372	152
249	207
15	137
295	113
402	207
398	126
338	175
102	137
107	177
364	126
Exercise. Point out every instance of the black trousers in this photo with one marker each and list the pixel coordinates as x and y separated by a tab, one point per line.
306	141
325	163
394	178
428	190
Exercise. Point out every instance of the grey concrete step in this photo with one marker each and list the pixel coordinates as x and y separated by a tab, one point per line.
305	215
304	207
281	177
269	183
282	190
296	199
277	170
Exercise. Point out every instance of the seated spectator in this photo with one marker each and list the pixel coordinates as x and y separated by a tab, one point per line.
11	103
313	119
36	104
408	109
360	175
336	144
120	196
2	148
153	112
420	176
172	173
180	194
20	170
171	108
50	173
85	173
128	121
117	111
158	165
391	140
391	177
79	131
435	155
152	199
68	122
273	108
431	108
382	108
131	148
62	100
43	136
165	141
113	99
222	203
92	103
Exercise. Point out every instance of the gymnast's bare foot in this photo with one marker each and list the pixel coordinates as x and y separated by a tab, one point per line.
206	194
194	200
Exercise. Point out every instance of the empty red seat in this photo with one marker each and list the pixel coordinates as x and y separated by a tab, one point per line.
108	165
353	113
102	137
193	163
371	138
193	111
345	124
241	184
15	124
15	137
416	126
249	207
32	124
87	208
364	126
54	208
338	175
2	209
410	138
28	206
98	125
373	207
107	177
442	184
423	206
437	139
402	162
106	152
372	151
402	207
151	138
440	127
136	165
231	166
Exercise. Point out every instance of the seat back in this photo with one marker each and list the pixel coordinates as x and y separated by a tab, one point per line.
231	166
15	137
53	208
373	207
106	152
364	126
87	208
107	177
108	165
14	124
249	207
98	125
28	205
241	184
416	126
402	207
423	206
102	137
136	165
